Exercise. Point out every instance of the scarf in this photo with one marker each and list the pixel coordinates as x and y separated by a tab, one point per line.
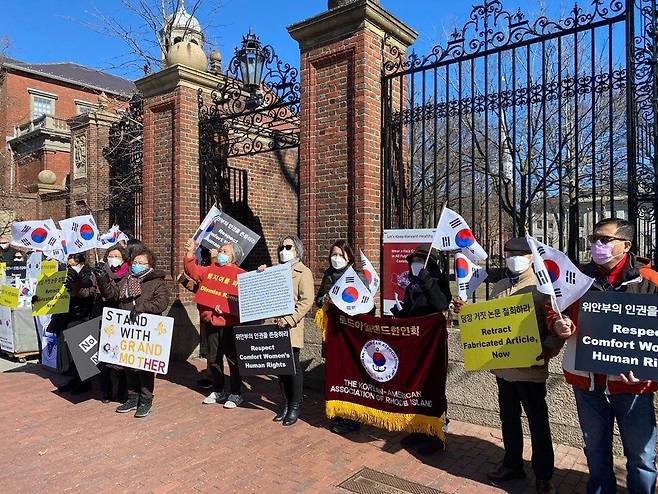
119	273
134	284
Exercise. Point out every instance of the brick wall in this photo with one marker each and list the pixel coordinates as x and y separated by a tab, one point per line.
340	145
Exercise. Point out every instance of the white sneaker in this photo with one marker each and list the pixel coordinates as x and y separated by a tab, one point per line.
233	401
215	397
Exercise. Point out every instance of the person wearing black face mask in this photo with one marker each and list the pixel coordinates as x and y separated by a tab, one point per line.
601	398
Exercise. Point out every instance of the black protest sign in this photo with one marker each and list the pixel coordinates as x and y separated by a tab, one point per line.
82	341
228	229
264	350
16	269
618	333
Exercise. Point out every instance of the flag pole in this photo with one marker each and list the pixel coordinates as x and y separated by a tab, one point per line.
553	298
429	252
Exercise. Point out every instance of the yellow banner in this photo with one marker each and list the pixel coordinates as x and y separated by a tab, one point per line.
500	334
49	267
9	296
52	295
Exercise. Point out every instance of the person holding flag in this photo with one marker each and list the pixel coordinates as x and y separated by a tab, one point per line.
428	292
524	389
341	257
600	399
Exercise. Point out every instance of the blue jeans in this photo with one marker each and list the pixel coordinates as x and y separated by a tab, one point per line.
637	427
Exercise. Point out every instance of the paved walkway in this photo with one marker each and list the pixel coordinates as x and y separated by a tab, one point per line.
52	444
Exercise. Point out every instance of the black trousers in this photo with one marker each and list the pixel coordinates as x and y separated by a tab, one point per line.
292	386
140	385
532	397
108	377
221	343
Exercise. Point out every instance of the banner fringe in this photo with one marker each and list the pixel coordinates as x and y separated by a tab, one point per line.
399	422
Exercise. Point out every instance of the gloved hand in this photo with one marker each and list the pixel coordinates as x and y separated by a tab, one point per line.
133	315
99	269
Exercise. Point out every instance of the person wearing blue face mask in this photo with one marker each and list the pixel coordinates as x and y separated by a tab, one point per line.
144	290
220	338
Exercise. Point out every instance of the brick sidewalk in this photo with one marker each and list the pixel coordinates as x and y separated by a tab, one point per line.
51	444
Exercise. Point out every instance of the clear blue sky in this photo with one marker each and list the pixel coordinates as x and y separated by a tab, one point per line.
57	30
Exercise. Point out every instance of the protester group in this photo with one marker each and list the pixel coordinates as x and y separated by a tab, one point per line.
388	371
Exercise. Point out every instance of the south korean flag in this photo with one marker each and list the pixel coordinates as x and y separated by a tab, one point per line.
468	275
80	234
371	275
351	295
453	233
557	276
38	235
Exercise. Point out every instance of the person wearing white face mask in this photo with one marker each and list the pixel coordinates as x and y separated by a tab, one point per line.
6	250
428	292
220	338
291	251
600	399
341	257
524	388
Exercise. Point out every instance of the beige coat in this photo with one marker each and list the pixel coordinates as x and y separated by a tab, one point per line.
303	289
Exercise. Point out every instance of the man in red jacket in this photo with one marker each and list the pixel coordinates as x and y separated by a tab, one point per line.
600	398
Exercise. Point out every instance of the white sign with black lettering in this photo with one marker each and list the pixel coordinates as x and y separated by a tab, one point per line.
266	294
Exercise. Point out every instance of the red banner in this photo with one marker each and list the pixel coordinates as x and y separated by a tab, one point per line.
220	287
390	373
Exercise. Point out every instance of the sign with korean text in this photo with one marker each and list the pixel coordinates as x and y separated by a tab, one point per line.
267	294
9	296
618	333
231	230
16	269
220	288
500	333
52	297
49	266
264	350
82	341
142	343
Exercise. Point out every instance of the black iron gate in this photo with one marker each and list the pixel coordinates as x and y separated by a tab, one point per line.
549	125
242	120
124	155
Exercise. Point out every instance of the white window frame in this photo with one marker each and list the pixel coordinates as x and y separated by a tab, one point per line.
44	95
87	104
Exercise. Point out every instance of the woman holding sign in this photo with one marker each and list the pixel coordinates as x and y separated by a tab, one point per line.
217	301
143	291
291	251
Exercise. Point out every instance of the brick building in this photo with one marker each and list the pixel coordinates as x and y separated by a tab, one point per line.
36	103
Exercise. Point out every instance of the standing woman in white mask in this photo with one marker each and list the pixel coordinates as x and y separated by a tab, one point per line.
291	251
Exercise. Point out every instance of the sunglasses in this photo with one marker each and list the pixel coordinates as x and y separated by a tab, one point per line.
605	239
286	247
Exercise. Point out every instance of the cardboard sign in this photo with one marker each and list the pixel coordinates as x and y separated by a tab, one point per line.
220	288
267	294
6	331
16	269
9	296
500	333
143	343
82	341
398	244
52	295
618	333
264	350
49	267
228	229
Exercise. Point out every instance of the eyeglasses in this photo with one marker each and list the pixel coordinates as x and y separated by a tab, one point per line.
286	247
605	239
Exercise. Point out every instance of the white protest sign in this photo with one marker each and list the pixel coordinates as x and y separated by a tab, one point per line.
143	344
267	294
34	265
6	331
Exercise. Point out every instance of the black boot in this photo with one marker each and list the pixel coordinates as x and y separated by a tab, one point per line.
282	413
284	409
294	411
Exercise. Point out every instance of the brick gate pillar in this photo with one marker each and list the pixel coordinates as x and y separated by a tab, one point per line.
340	125
171	202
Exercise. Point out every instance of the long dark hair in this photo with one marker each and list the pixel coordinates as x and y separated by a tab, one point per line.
345	247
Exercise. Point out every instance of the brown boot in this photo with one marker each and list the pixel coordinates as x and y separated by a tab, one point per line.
544	487
503	474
